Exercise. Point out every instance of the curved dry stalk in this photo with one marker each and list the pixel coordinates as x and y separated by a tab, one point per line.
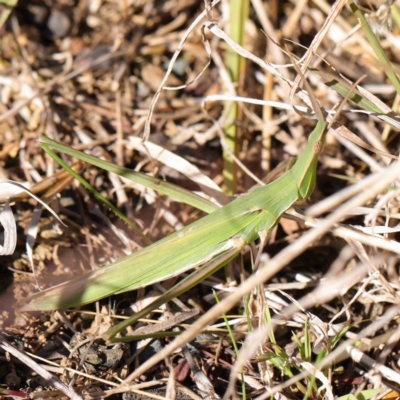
7	217
10	231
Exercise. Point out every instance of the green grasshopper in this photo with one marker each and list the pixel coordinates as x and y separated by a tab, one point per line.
208	243
218	236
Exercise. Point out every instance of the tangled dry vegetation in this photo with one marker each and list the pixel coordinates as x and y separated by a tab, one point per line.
85	73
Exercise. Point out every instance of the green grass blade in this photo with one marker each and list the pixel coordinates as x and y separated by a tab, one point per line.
343	87
363	395
307	342
268	321
373	40
236	65
235	346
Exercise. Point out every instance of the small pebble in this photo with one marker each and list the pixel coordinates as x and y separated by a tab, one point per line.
58	23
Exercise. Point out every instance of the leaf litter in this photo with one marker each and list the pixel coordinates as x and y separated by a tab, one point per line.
87	75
